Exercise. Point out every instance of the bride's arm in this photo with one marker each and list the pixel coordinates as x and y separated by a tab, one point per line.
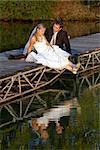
32	42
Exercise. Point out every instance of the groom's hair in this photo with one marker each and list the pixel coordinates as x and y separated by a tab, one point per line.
59	21
61	25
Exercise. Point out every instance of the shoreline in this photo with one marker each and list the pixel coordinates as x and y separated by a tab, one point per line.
47	20
47	11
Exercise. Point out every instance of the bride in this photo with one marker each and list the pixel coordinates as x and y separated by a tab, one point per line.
46	54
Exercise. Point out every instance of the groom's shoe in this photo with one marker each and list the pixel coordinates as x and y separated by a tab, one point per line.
73	58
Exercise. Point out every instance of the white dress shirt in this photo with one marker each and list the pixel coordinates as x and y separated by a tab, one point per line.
53	40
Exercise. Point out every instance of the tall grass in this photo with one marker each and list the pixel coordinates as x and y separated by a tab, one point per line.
45	10
25	10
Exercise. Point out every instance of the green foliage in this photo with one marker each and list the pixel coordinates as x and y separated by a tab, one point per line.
45	10
22	138
25	10
90	110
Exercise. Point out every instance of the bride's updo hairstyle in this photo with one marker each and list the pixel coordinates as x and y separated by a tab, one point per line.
39	26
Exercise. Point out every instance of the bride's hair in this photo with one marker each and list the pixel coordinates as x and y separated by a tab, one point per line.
36	35
38	27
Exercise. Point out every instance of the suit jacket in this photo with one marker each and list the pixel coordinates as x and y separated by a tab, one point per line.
61	39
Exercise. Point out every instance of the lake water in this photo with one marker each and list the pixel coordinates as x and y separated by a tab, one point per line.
62	116
14	35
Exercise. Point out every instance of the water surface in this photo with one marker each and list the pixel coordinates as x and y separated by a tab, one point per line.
15	34
64	117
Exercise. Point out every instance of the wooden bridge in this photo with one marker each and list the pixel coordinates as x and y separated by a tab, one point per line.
18	78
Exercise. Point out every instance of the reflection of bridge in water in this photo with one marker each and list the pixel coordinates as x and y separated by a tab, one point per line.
90	80
36	103
24	106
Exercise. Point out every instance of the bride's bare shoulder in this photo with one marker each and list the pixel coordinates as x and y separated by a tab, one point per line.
33	39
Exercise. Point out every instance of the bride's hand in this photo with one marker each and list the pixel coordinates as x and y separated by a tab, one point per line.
29	52
47	43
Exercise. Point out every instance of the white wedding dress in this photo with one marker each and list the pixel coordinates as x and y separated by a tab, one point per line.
53	57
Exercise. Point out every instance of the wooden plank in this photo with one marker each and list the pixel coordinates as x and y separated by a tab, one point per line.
84	43
9	67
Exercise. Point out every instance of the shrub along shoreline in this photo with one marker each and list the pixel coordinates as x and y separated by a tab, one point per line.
47	10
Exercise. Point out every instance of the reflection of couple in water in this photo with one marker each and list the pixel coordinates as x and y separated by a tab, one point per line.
41	133
51	53
51	126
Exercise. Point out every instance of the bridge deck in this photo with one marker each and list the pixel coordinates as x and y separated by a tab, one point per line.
85	43
13	66
79	45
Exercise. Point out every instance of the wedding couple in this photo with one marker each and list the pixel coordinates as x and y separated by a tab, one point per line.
48	50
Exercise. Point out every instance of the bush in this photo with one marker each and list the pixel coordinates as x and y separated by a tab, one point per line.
25	10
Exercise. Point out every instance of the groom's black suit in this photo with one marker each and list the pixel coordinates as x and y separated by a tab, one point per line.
61	39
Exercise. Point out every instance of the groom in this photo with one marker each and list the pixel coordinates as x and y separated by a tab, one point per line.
57	36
